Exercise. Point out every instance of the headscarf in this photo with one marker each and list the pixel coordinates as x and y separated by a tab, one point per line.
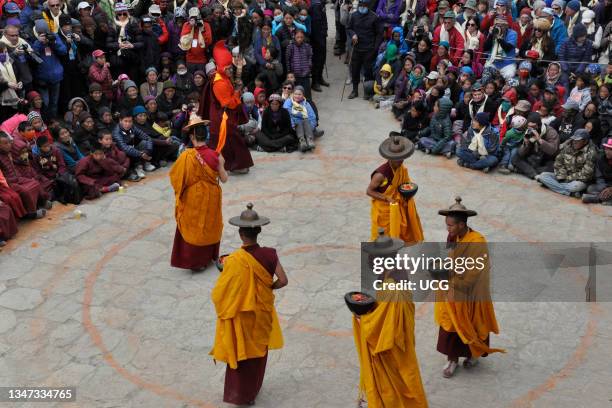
553	79
391	53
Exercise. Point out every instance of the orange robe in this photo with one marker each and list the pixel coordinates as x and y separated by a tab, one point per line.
198	199
466	308
389	369
410	229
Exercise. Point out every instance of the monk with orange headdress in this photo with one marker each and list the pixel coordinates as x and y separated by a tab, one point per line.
195	178
391	210
221	105
465	312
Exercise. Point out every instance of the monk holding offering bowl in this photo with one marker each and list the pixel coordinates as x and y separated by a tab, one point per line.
393	205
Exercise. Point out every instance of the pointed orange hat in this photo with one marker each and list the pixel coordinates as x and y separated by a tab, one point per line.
222	56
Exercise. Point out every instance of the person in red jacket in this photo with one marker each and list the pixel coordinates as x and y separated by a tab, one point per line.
449	32
196	36
500	10
99	73
159	26
525	27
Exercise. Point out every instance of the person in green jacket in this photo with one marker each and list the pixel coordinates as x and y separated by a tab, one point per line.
511	142
437	138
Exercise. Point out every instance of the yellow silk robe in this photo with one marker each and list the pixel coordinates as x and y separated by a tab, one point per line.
469	312
389	374
410	229
198	199
247	324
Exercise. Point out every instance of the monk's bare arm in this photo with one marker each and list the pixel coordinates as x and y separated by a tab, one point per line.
223	176
376	181
281	277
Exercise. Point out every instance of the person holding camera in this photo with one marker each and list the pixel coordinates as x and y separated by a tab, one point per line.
499	12
537	152
124	43
21	54
500	48
50	72
196	36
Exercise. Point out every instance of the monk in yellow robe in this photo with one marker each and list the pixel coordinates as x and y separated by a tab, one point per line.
465	311
383	189
195	179
247	324
389	369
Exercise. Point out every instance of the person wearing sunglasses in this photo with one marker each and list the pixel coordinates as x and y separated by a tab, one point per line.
540	42
124	43
52	14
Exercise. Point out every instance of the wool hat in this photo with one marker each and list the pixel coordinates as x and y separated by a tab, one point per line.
150	69
477	86
581	134
559	3
123	77
444	44
482	118
33	115
194	12
148	99
574	5
210	67
200	73
75	22
542	24
41	27
593	69
534	117
64	20
129	84
11	8
169	85
467	70
248	97
450	14
538	4
526	65
121	7
95	87
518	122
138	110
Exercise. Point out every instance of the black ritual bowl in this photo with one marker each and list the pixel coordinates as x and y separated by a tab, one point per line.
408	190
221	262
359	307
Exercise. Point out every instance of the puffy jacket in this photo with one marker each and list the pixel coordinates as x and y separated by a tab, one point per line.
440	127
558	33
574	57
127	140
50	70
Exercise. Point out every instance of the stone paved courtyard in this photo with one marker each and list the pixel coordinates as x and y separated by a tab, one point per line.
93	303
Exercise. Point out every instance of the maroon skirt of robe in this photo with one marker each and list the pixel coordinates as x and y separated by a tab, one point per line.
11	198
30	193
450	344
8	223
243	384
187	256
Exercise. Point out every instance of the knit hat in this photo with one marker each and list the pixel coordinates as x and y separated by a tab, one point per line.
559	3
129	84
200	73
122	77
275	97
467	70
526	65
41	27
30	96
148	99
482	118
150	69
542	24
593	69
518	122
579	31
103	110
64	20
138	110
33	115
248	97
523	106
581	134
210	67
121	7
194	12
169	85
539	4
574	5
588	16
42	140
477	86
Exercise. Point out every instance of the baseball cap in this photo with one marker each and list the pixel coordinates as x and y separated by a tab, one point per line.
581	134
154	10
83	5
549	11
608	143
97	53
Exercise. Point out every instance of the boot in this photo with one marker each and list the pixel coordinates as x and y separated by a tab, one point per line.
303	144
590	198
353	94
310	142
323	82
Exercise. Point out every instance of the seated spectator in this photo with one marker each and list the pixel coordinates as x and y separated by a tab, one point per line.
169	102
510	143
98	174
569	121
574	166
553	77
70	151
105	120
249	129
303	119
165	146
96	100
38	125
105	138
276	129
382	87
48	162
479	150
437	138
415	120
401	99
131	97
480	102
26	133
8	223
86	134
21	169
581	93
538	150
10	199
183	80
136	144
151	86
76	107
601	190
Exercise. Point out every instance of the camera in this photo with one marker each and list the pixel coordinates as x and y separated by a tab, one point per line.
495	31
123	39
199	22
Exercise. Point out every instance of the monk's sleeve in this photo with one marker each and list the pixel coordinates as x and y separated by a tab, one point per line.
3	180
177	175
225	94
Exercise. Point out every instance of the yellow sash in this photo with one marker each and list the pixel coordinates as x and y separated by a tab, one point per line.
410	229
198	199
247	324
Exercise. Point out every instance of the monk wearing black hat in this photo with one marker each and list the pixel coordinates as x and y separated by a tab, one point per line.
247	324
465	312
384	190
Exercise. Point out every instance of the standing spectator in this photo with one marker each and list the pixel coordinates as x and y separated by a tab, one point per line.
175	26
151	49
99	73
574	166
573	15
20	52
524	27
124	43
558	32
50	72
299	61
318	40
594	32
450	31
575	54
366	33
501	11
52	14
196	36
541	42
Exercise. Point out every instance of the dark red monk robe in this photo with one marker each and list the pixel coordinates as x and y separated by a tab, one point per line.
30	191
8	223
184	254
243	384
11	198
93	175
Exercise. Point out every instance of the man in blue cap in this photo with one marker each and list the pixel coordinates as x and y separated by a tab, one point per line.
366	33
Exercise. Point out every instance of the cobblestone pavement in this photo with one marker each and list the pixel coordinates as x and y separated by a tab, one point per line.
93	302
